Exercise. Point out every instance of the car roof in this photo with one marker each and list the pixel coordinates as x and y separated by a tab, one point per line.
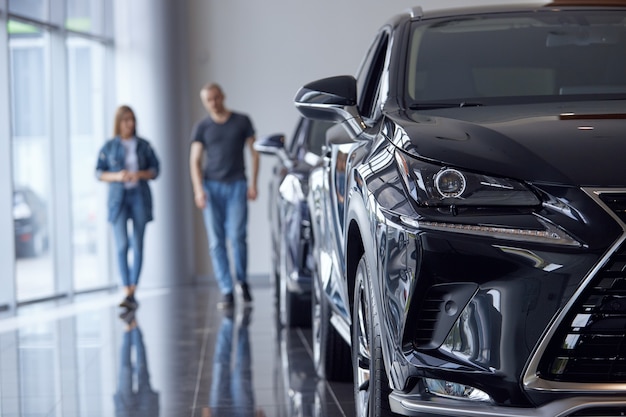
419	13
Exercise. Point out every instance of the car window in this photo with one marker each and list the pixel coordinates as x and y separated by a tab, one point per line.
369	78
316	138
297	138
541	54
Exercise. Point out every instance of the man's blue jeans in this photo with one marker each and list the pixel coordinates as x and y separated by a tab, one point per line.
226	218
132	209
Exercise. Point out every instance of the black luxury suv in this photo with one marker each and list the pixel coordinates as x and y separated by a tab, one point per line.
469	219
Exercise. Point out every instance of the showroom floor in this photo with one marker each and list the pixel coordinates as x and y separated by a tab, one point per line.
177	357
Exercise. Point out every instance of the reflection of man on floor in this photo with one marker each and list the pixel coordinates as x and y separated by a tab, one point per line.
143	401
231	387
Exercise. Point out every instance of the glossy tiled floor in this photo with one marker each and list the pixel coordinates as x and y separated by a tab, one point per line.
178	357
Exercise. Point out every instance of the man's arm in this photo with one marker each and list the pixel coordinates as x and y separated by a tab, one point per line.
252	188
195	171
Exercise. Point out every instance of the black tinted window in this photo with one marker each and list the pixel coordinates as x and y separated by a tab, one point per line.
368	81
549	53
317	136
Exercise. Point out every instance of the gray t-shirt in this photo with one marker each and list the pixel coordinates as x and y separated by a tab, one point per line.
223	146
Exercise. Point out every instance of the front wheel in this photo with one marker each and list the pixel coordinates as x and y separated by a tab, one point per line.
331	354
371	387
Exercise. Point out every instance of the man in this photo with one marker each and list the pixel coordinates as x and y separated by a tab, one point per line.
221	189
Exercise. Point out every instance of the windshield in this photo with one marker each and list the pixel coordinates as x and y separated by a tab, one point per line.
522	57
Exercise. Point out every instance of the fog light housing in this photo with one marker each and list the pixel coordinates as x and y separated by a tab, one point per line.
455	390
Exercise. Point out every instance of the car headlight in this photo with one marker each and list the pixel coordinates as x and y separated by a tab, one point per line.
432	185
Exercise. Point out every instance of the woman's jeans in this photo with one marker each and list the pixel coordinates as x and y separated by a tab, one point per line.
226	217
133	210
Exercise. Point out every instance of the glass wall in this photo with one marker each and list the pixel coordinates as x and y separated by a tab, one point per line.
86	65
34	9
60	46
29	49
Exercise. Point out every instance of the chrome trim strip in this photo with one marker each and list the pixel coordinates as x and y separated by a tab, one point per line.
415	406
531	380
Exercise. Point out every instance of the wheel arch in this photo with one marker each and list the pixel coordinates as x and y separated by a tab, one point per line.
354	251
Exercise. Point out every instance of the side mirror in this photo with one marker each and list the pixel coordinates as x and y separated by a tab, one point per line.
332	99
274	145
270	144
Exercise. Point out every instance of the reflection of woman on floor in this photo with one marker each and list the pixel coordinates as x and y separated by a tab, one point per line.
231	388
143	401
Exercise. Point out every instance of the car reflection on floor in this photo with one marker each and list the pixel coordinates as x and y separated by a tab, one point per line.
297	385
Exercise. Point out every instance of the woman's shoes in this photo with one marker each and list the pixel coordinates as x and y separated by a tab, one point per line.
129	302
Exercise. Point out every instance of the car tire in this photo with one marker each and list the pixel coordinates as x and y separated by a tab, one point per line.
371	387
295	310
331	354
276	285
275	274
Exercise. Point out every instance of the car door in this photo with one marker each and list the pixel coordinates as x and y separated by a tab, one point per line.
343	152
331	202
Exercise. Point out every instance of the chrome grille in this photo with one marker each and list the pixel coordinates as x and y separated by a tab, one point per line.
590	345
616	202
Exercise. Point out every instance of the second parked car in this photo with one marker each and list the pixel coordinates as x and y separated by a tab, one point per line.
290	221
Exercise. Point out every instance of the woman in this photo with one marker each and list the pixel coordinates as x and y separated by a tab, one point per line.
127	162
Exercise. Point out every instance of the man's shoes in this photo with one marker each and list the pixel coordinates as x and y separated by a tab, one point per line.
129	302
227	301
246	316
245	293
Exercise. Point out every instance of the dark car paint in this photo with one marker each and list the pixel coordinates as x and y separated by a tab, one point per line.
565	160
534	142
424	262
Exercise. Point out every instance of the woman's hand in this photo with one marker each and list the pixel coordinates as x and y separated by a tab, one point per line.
124	176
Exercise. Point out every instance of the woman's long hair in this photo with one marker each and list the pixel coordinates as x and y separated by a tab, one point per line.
119	113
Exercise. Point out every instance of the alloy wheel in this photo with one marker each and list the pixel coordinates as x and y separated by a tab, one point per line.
361	344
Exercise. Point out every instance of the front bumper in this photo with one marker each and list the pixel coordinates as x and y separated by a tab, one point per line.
478	311
413	405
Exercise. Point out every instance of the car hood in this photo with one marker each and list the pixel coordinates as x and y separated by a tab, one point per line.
578	144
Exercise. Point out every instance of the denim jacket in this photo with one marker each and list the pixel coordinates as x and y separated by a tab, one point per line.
111	158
